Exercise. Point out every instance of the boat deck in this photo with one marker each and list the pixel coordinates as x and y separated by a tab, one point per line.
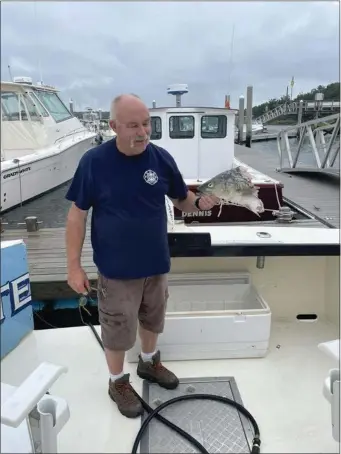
319	194
282	391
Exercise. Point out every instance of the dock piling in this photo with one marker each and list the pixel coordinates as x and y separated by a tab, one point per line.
241	120
248	116
299	119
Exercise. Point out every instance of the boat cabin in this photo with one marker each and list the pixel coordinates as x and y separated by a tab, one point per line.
32	117
201	140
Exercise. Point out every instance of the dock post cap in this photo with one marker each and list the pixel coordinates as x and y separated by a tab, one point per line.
32	223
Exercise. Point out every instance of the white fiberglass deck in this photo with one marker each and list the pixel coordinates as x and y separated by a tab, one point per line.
226	235
283	390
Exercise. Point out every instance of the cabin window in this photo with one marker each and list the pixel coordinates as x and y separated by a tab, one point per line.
213	126
38	104
12	107
181	127
54	105
31	108
156	128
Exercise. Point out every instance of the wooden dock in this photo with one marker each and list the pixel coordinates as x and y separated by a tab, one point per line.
46	254
46	249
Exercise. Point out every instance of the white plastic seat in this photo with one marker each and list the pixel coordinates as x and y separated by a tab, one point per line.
30	418
331	387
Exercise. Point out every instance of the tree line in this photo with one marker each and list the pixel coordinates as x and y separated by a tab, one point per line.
331	92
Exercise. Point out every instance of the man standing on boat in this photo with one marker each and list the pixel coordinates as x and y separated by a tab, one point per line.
125	181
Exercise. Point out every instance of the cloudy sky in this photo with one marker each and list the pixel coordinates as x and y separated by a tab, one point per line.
93	51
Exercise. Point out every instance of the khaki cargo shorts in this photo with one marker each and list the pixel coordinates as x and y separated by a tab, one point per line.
122	303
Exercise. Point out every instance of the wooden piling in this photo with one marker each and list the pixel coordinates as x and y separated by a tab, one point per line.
241	120
248	116
299	119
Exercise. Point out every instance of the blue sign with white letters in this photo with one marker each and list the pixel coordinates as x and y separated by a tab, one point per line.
16	314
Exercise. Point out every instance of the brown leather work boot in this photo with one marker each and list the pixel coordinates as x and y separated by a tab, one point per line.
155	372
122	393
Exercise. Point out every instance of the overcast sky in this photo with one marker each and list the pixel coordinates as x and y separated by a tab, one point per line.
93	51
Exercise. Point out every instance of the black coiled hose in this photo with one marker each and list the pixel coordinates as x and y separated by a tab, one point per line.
155	413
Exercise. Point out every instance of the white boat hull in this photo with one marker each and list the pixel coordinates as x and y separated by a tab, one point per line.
41	172
256	129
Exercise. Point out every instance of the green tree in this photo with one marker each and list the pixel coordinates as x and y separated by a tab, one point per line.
331	92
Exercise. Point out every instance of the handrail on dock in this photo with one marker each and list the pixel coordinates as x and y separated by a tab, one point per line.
294	107
316	131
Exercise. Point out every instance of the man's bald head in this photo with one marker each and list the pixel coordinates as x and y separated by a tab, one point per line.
123	100
130	119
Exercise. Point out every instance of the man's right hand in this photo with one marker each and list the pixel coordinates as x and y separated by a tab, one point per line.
78	280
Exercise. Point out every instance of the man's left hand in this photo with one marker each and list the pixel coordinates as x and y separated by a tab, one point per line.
207	202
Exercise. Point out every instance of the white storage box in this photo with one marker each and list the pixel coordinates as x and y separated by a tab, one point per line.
212	316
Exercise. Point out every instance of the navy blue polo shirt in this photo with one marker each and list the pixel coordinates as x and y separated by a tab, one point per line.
129	219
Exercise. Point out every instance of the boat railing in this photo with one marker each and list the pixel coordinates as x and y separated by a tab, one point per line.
316	147
72	133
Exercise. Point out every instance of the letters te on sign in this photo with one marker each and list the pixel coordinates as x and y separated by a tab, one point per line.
19	292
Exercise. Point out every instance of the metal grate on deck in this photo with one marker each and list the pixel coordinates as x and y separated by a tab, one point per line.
220	428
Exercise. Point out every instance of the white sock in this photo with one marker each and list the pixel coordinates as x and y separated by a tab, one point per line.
147	357
116	377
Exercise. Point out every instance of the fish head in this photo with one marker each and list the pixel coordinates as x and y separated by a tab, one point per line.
233	180
209	187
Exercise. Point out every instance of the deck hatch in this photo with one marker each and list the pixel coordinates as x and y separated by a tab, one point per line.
218	427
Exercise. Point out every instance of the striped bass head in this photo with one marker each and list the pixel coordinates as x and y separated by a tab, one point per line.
234	187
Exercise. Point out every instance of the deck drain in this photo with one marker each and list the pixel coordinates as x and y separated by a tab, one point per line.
306	317
263	235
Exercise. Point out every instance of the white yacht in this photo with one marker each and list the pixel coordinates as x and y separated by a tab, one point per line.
41	141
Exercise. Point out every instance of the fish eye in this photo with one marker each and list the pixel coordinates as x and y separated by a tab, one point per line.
210	185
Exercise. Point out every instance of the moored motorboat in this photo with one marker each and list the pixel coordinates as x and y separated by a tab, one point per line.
41	141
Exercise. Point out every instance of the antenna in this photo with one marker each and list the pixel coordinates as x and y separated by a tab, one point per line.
10	73
36	24
231	58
